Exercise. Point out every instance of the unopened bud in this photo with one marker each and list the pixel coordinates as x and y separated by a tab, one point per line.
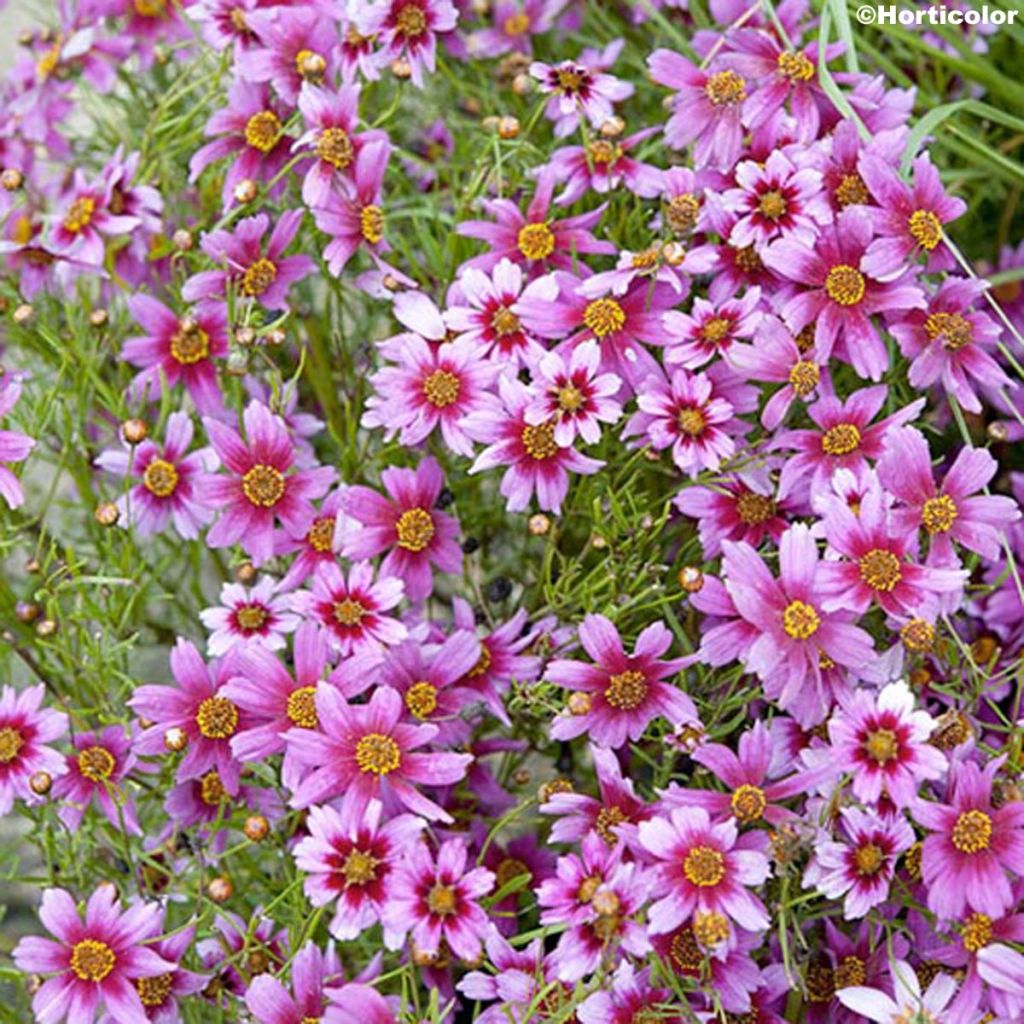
46	628
221	889
245	573
998	432
106	514
312	67
27	611
401	68
508	127
22	314
98	318
134	431
613	127
40	783
245	191
539	524
256	828
175	739
523	85
579	703
12	179
182	240
691	579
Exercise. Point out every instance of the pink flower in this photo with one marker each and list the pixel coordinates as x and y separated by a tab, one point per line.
96	962
177	349
86	219
409	29
363	752
616	698
313	969
438	899
630	997
703	869
320	543
26	730
409	527
710	330
907	1002
14	446
883	743
248	616
603	166
535	460
258	488
352	861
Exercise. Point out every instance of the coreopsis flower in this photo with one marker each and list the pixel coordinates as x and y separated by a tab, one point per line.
320	543
224	23
356	1003
574	395
949	342
703	869
255	615
259	487
778	199
513	23
486	314
197	706
364	752
437	899
255	272
257	942
166	477
798	638
86	219
710	329
618	696
694	414
251	128
706	109
950	511
100	961
859	868
355	217
407	29
26	731
581	88
839	297
662	264
602	166
534	240
874	563
312	970
907	1003
177	349
351	861
883	743
97	770
416	535
725	636
535	460
630	997
908	220
14	446
972	845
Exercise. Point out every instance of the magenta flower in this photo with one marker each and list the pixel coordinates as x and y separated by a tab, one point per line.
87	217
350	611
197	706
703	869
950	343
96	962
363	752
874	565
246	616
177	349
710	329
313	969
907	1001
26	730
408	29
630	997
619	695
908	219
883	743
255	272
258	488
602	166
235	940
438	899
352	861
98	769
973	845
320	543
860	868
414	533
166	475
838	297
14	446
359	1004
706	109
535	460
251	127
952	511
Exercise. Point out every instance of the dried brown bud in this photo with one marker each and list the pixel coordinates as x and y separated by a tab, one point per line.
257	828
245	191
12	179
221	889
40	783
691	578
134	431
245	573
175	739
521	777
508	127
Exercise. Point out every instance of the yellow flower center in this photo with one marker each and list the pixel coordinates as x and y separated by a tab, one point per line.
588	888
972	832
603	317
569	79
250	616
411	21
880	570
11	742
925	228
918	635
415	529
852	191
359	868
259	277
953	330
217	718
691	422
819	982
160	478
607	819
536	241
421	699
505	322
601	151
92	960
710	929
686	954
441	388
371	223
96	763
154	991
569	398
976	932
704	866
725	89
190	343
263	130
797	67
748	260
150	8
211	789
851	970
508	869
335	147
804	377
321	534
748	804
516	24
646	259
773	205
378	754
716	329
754	509
348	612
539	441
939	514
842	439
263	485
441	900
483	663
800	620
681	212
301	707
868	859
626	690
845	285
882	746
79	215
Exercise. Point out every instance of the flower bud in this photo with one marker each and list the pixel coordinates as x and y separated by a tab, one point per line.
98	318
106	514
245	191
221	889
312	67
579	703
508	127
245	573
40	783
22	314
401	68
182	240
613	127
12	179
134	431
539	524
523	85
175	739
26	611
691	578
46	628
